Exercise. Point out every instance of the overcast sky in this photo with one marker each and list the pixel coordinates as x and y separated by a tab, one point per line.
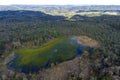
61	2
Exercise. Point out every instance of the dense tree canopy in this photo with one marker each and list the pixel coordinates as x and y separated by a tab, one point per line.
34	33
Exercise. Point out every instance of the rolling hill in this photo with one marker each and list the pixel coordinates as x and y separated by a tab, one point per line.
18	16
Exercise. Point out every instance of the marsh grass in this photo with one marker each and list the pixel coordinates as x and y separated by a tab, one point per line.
56	51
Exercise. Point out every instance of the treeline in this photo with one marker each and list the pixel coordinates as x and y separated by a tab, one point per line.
26	16
111	21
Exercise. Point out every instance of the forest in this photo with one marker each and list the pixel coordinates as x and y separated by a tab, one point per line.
33	29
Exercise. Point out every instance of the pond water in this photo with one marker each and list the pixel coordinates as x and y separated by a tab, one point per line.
80	48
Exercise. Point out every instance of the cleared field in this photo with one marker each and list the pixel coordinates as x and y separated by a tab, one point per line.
89	14
87	41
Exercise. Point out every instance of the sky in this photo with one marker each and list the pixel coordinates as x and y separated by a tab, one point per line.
61	2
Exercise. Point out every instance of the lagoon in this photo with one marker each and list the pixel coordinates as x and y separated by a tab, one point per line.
60	50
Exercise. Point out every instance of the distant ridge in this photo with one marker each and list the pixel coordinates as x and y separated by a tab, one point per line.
24	15
69	7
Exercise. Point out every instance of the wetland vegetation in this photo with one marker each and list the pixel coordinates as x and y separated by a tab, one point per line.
59	50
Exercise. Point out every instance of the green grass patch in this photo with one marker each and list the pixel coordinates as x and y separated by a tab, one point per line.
55	51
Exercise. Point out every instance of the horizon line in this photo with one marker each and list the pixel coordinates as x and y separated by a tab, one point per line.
62	4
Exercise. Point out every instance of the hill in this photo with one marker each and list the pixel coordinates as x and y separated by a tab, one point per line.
68	10
18	16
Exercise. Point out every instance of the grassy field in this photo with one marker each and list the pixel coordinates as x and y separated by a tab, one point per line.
89	14
88	41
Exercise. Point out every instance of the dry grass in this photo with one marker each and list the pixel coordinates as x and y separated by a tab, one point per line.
61	71
87	41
